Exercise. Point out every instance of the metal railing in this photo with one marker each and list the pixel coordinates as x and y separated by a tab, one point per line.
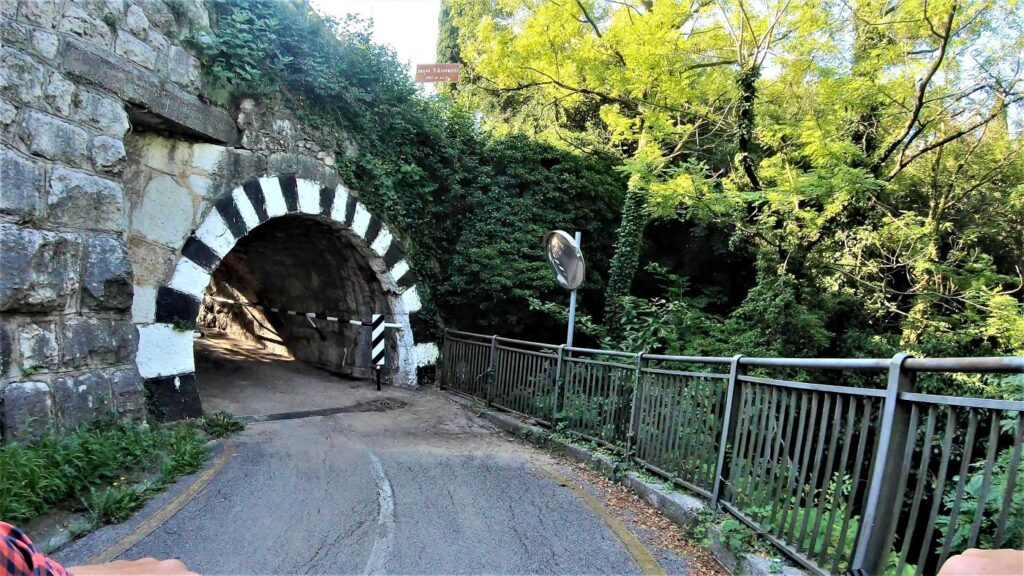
838	462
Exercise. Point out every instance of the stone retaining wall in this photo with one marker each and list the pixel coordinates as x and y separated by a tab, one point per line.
110	161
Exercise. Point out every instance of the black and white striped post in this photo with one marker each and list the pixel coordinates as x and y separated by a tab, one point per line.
377	344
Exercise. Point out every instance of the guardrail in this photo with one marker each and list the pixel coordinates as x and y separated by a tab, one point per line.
838	462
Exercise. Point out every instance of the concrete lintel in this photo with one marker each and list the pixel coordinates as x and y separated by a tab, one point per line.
160	102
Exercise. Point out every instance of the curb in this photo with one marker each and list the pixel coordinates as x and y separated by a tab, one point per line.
679	507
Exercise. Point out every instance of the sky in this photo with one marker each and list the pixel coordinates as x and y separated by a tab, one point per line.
409	26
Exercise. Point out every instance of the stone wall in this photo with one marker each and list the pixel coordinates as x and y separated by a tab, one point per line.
111	165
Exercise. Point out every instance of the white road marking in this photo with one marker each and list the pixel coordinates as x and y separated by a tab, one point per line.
380	555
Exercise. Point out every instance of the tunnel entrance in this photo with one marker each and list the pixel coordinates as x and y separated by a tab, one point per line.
272	274
274	321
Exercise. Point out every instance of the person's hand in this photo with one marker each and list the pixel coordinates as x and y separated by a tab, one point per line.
142	567
974	562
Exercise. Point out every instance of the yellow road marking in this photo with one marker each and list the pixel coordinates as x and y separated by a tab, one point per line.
633	545
170	509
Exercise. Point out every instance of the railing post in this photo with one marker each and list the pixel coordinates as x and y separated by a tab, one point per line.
442	362
883	502
558	387
490	371
634	409
732	414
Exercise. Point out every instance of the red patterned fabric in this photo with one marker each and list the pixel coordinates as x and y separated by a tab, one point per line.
19	557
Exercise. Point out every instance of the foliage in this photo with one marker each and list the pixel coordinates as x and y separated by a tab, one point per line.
991	507
472	205
88	468
867	154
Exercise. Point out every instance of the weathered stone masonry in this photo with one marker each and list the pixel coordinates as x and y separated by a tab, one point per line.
121	191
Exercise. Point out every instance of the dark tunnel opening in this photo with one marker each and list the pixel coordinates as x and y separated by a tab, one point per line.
273	356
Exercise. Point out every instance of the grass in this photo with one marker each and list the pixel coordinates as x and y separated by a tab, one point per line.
108	469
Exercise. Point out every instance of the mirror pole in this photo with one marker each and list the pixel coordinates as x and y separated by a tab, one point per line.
572	301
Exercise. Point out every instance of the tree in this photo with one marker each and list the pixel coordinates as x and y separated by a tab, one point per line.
867	151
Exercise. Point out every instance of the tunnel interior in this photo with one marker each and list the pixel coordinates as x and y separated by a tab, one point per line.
296	264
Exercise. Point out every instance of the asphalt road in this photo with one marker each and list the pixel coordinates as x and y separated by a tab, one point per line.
425	488
400	482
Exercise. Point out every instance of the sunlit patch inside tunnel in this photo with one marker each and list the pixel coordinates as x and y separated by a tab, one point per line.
275	320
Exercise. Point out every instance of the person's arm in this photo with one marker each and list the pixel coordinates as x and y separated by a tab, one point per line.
20	557
989	562
143	567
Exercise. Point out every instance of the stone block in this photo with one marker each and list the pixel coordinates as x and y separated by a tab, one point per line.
173	107
165	213
136	22
208	157
39	269
82	200
59	94
161	153
97	341
160	16
21	78
44	13
8	112
135	50
108	154
37	346
143	304
128	393
173	398
107	274
105	114
21	185
6	347
83	398
78	21
15	34
45	44
55	139
27	411
183	68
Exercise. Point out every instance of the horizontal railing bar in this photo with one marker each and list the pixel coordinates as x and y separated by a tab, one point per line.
473	342
526	343
472	334
669	477
529	352
684	373
819	363
603	352
599	363
1005	405
814	387
695	359
1011	364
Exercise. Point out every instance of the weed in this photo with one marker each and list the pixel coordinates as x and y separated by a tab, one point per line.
221	424
74	470
29	371
180	325
114	503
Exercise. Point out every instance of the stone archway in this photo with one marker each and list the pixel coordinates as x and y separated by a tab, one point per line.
165	355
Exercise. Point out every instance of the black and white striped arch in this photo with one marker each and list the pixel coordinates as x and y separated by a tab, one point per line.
165	342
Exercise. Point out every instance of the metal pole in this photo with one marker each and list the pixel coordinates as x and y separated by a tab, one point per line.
882	504
732	415
572	302
558	387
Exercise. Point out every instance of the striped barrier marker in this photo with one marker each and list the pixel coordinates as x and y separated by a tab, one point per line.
377	343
